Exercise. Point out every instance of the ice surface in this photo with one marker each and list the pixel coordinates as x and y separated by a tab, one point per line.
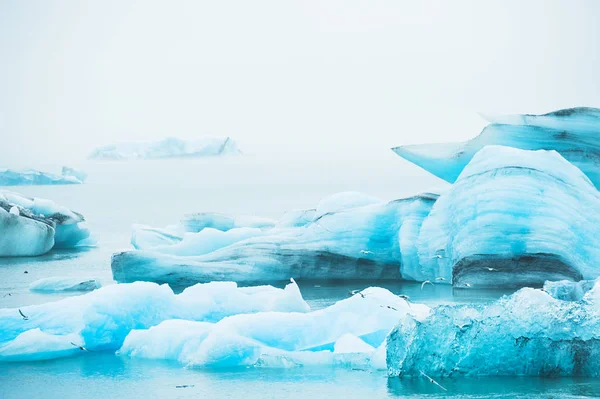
76	173
26	177
100	320
61	284
574	133
529	333
39	226
512	218
568	290
373	241
168	148
196	222
275	339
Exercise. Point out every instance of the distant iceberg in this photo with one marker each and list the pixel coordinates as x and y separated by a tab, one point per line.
101	319
348	236
33	226
27	177
529	333
64	284
573	132
73	172
168	148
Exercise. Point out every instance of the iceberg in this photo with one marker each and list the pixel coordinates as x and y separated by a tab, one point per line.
349	239
76	173
568	290
573	132
101	319
513	218
529	333
33	226
64	284
168	148
27	177
346	332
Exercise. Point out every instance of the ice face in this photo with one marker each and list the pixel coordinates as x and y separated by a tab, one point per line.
100	320
9	177
76	173
574	133
353	326
168	148
38	225
64	284
373	241
512	218
529	333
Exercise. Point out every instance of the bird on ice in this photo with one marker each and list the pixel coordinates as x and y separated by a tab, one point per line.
23	316
354	292
438	256
363	251
491	269
424	283
440	279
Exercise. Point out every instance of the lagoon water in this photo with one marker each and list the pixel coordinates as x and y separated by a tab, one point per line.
158	193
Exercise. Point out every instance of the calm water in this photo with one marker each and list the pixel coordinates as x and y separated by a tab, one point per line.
159	193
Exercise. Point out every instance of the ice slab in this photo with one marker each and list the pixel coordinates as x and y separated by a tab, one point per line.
27	177
529	333
573	132
168	148
374	241
64	284
512	218
346	332
101	319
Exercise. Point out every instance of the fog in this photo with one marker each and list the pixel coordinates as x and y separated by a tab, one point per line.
290	79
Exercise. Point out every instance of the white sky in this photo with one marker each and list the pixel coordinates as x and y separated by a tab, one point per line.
294	78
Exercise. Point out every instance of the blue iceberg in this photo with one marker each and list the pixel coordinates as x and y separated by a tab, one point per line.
28	177
574	133
529	333
512	218
64	284
168	148
33	226
350	236
101	319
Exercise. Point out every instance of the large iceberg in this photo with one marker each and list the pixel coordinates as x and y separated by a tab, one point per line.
27	177
345	333
100	320
348	236
529	333
574	133
168	148
33	226
512	218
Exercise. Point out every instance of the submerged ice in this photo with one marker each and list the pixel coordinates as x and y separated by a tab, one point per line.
168	148
33	226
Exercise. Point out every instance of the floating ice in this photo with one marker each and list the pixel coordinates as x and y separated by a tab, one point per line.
354	326
574	133
196	222
76	173
528	333
512	218
27	177
33	226
100	320
168	148
62	284
375	241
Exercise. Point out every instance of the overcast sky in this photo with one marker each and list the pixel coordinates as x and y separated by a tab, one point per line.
294	78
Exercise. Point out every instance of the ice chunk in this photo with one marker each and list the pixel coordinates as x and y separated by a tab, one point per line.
196	222
76	173
277	339
568	290
529	333
26	177
344	201
101	319
513	218
365	242
58	284
574	133
168	148
23	236
146	237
